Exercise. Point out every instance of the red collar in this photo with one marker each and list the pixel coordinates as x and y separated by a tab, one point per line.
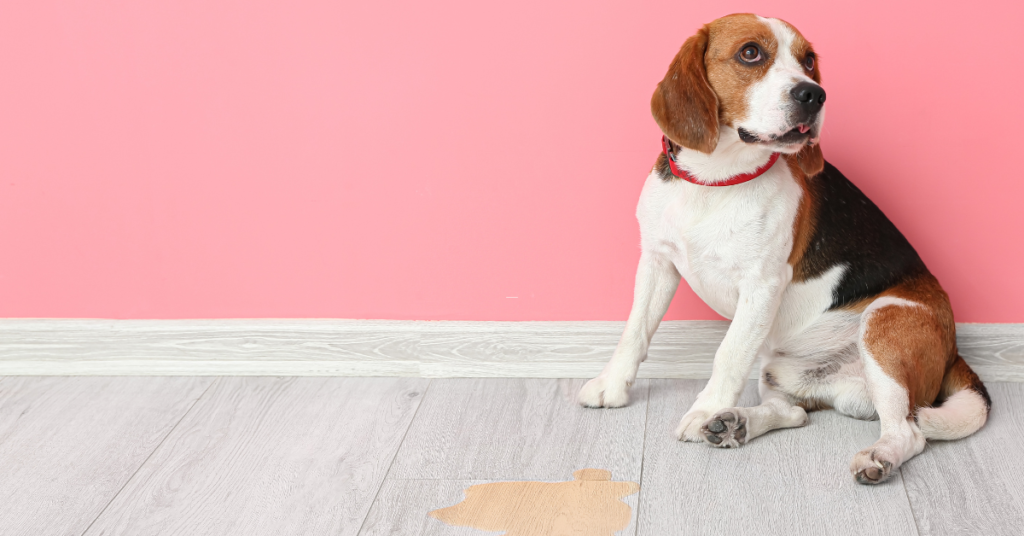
738	179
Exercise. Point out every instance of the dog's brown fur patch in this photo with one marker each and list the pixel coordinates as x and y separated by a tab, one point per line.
803	224
729	78
960	377
684	105
810	160
914	345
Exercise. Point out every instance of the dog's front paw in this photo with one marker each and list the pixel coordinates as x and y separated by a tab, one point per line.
726	429
689	428
871	466
604	392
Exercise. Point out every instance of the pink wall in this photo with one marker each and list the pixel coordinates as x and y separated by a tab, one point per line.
427	160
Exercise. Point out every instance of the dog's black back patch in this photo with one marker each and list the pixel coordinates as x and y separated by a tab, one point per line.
851	230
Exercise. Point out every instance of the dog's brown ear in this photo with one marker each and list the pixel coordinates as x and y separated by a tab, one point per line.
810	160
684	105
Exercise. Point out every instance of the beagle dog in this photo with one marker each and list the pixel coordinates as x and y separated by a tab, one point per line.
818	283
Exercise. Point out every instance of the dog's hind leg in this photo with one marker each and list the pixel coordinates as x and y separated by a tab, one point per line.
656	283
903	345
733	427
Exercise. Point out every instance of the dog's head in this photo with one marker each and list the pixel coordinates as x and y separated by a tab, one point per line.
758	76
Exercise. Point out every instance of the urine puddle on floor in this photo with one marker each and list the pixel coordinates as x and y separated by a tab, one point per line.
591	504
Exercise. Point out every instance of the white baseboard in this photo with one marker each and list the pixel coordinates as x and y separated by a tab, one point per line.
681	349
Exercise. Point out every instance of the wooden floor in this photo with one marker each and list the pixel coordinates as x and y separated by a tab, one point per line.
371	456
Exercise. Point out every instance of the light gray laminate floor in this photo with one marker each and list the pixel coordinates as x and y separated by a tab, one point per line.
371	456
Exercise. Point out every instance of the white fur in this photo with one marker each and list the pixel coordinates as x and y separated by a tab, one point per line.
803	304
732	245
959	416
731	157
656	282
901	439
770	96
829	339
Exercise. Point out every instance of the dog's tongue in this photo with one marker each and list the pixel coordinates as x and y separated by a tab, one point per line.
803	128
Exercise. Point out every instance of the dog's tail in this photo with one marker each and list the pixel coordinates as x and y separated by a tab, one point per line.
964	409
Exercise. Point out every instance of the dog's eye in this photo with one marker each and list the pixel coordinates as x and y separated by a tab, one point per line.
750	54
809	62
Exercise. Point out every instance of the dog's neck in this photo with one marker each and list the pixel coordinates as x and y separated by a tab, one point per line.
731	157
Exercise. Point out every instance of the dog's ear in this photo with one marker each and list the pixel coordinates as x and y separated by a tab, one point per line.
684	105
810	160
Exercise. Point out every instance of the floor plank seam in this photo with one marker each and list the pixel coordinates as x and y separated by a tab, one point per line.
391	464
913	514
643	456
144	462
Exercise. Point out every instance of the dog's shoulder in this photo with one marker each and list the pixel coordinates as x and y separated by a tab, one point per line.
839	225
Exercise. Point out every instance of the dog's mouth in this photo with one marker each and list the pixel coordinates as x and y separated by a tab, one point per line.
801	134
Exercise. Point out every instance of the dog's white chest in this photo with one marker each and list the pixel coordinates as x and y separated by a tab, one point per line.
720	238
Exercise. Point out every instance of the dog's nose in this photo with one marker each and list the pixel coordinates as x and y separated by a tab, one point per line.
811	97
